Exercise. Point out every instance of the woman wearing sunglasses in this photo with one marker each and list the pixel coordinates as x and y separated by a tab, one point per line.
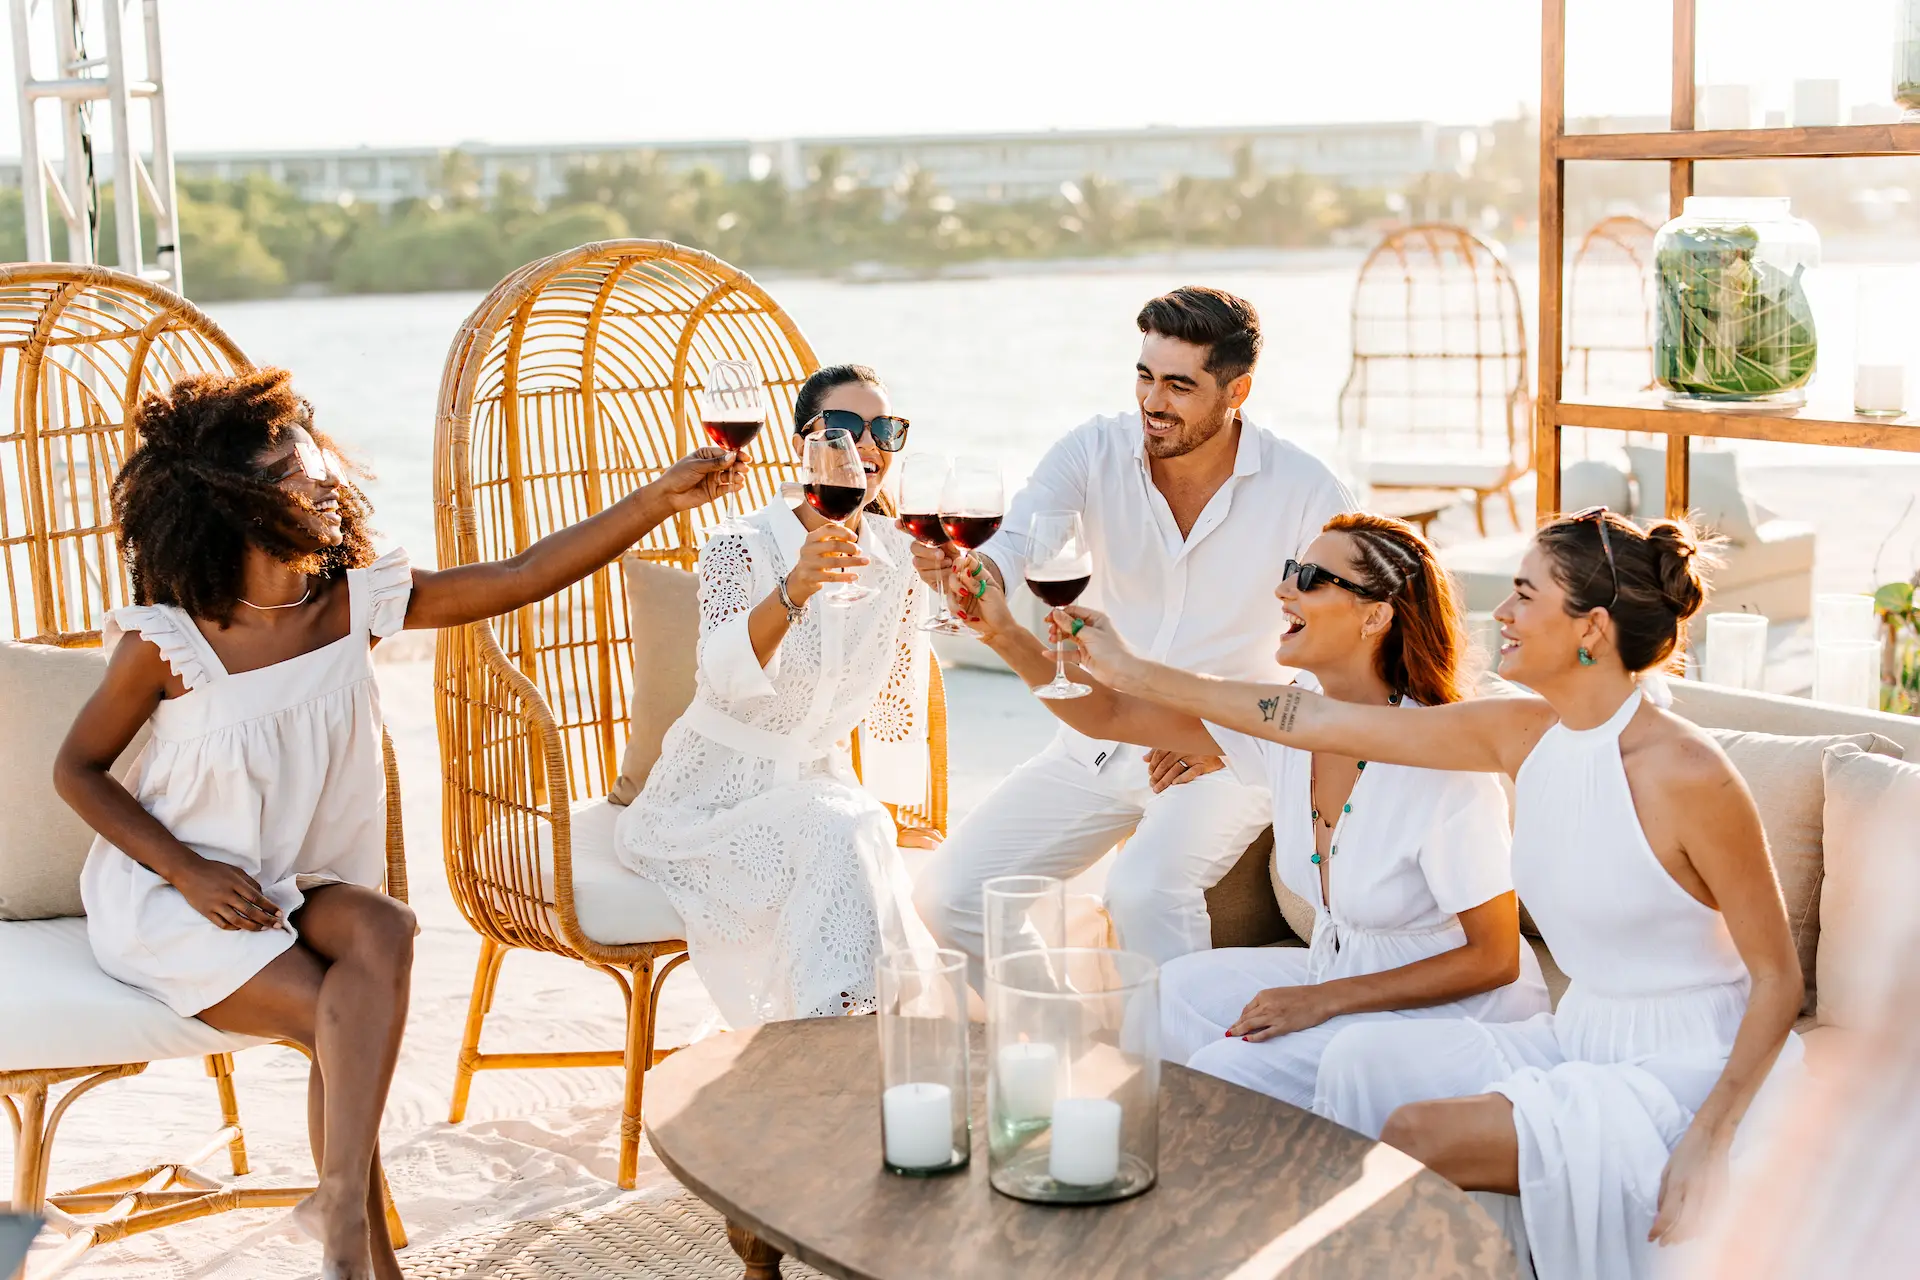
1639	853
781	863
1414	912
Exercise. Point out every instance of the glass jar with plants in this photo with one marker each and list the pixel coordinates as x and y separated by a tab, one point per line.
1900	635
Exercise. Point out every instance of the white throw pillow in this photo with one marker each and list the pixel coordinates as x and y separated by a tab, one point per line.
42	842
1872	816
1713	491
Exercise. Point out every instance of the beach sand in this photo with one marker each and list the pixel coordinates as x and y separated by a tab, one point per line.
535	1143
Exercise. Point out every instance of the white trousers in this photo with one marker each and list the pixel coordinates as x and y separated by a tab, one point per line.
1053	816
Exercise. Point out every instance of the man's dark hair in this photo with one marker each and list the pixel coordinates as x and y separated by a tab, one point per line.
1227	326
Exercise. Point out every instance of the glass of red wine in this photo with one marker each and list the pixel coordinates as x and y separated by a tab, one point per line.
974	502
836	487
1058	570
923	487
733	404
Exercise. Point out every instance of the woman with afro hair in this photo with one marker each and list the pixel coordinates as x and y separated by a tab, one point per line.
237	875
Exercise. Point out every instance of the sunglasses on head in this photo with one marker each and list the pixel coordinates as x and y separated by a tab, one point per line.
1310	575
889	433
1599	517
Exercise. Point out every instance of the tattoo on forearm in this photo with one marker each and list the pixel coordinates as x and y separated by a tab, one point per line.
1286	706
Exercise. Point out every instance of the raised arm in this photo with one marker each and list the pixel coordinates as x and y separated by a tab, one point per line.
454	597
1104	713
1719	832
1482	736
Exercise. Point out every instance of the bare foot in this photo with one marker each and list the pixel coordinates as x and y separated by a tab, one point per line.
346	1248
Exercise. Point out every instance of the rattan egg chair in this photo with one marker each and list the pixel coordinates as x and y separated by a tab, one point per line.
1610	308
79	346
570	385
1436	397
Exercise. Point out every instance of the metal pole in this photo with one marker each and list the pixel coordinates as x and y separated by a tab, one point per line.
81	206
126	185
166	220
33	173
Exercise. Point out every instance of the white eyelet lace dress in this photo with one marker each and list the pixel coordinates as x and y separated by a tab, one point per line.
1604	1087
752	822
277	771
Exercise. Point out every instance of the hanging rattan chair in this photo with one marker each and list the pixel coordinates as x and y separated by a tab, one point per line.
1436	397
79	347
1610	309
569	386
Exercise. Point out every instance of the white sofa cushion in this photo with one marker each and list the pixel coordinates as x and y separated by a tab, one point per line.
42	842
614	905
1872	838
1464	469
1713	490
57	1009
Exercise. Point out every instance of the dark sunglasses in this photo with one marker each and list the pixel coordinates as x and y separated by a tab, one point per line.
1599	517
889	433
1311	575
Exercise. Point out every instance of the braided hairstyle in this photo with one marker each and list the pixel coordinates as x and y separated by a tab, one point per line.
192	496
1422	653
1663	572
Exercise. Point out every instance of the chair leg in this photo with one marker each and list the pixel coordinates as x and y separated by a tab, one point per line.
396	1229
639	1058
485	976
1513	508
30	1149
1480	511
220	1067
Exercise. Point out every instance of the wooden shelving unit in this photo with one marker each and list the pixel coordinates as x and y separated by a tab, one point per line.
1679	149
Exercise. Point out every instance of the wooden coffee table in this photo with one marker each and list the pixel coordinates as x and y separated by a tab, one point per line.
779	1129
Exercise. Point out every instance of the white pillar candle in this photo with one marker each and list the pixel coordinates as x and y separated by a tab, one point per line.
918	1119
1026	1073
1085	1140
1736	650
1880	390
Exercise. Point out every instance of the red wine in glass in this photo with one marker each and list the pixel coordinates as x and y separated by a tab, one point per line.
926	527
836	501
970	531
1058	593
735	435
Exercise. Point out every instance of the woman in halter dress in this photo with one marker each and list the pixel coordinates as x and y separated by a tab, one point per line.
1638	851
237	877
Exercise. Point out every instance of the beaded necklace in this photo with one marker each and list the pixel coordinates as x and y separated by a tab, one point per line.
1313	786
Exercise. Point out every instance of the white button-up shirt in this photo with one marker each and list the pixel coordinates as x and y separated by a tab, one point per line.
1203	602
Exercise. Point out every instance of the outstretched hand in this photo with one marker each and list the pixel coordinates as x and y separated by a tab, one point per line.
1102	652
1690	1186
704	476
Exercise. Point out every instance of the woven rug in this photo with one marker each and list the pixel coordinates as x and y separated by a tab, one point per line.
676	1238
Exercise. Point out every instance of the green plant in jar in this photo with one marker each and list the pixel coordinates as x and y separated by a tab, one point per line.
1730	325
1900	631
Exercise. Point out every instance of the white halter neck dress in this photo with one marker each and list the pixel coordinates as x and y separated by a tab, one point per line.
277	771
1604	1087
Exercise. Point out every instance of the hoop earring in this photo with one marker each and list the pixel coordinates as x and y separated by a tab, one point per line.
1586	656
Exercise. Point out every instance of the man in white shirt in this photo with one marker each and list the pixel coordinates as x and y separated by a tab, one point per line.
1190	511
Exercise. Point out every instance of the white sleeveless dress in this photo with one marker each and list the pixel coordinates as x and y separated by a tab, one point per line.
1603	1088
277	771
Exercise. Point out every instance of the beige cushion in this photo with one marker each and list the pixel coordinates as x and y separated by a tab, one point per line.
614	905
1297	911
664	605
57	1009
1785	776
42	842
1872	820
1713	489
1717	705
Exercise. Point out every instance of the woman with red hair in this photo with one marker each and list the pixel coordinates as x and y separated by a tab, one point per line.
1407	869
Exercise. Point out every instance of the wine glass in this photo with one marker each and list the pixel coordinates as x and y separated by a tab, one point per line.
733	404
1058	570
836	487
923	484
973	503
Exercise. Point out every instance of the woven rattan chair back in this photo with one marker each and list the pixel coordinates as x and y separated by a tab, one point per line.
79	346
1439	366
1610	308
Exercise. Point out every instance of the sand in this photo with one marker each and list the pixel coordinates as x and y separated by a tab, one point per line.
539	1142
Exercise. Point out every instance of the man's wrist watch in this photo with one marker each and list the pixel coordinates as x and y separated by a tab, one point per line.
794	611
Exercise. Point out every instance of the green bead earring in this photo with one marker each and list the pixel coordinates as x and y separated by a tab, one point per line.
1586	656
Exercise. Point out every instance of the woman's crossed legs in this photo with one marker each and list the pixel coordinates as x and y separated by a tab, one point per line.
341	993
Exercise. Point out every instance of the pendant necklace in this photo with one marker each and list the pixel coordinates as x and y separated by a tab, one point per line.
269	608
1313	785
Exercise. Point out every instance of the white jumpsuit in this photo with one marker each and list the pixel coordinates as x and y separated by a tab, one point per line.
1603	1088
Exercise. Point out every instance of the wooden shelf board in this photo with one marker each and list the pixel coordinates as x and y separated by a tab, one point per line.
1811	425
1744	144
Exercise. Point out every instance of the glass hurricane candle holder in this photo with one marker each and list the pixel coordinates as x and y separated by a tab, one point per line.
1736	650
1847	672
925	1126
1844	616
1073	1075
1022	913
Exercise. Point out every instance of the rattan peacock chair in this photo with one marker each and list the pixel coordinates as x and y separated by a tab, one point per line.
569	386
1436	397
79	347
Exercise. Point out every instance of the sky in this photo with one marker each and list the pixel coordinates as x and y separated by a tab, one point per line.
339	73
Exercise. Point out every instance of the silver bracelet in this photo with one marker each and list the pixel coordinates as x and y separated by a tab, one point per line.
794	611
